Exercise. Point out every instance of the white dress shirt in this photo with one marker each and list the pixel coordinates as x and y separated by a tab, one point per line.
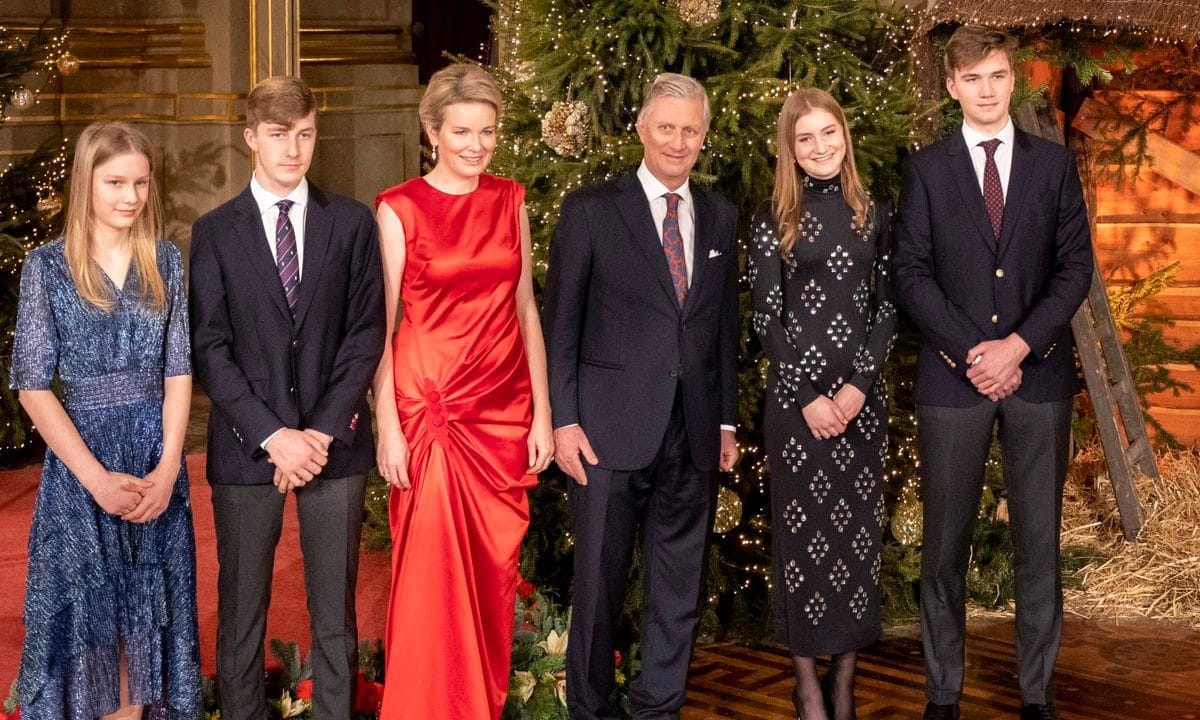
655	191
1003	152
270	215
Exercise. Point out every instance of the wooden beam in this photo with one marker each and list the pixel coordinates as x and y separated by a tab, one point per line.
1168	159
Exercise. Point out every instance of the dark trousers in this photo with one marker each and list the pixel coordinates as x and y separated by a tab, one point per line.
954	446
672	503
249	519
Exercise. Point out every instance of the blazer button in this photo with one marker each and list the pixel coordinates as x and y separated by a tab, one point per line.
995	319
1000	272
674	373
292	390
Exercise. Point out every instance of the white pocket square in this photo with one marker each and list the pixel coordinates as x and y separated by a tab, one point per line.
713	253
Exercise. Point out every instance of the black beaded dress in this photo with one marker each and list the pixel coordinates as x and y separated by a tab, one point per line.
825	316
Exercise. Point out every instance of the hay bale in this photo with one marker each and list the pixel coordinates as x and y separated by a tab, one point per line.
1156	576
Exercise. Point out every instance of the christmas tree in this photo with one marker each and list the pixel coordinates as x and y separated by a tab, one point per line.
30	196
574	74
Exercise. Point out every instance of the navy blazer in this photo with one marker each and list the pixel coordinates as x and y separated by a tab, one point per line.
961	286
264	371
618	343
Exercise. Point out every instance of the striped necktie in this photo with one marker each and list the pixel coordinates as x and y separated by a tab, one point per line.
287	261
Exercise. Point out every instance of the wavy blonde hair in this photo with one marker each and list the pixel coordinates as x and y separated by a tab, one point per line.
97	144
789	190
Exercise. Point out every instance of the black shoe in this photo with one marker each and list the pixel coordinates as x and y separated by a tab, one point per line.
1038	712
946	712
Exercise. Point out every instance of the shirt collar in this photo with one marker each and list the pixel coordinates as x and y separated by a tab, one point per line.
974	137
267	199
654	188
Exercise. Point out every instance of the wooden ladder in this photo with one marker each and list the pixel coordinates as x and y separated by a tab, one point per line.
1110	386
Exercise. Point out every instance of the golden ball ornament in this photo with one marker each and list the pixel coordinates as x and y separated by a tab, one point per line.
906	519
50	205
729	510
68	64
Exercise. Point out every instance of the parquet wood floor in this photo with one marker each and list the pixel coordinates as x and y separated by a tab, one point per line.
1128	671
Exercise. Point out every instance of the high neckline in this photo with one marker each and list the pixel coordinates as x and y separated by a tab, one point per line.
827	186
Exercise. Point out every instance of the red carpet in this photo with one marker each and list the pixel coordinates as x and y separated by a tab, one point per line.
288	619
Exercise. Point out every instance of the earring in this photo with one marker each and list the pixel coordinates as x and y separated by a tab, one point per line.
434	153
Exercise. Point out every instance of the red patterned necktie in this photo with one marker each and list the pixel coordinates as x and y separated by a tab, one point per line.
672	241
993	192
287	261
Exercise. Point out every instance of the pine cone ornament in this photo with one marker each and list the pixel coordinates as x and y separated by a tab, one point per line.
697	12
729	510
567	127
906	517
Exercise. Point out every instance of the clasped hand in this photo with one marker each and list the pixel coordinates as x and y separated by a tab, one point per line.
827	417
995	366
298	456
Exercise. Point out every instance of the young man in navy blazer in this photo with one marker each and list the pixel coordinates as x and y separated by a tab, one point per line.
642	332
287	329
992	259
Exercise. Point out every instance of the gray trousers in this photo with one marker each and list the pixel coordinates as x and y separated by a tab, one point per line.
954	445
249	519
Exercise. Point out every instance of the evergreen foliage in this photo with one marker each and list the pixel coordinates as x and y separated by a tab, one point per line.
30	201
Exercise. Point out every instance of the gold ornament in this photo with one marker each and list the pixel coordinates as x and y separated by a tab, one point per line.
567	127
50	205
68	64
906	518
21	98
729	510
697	12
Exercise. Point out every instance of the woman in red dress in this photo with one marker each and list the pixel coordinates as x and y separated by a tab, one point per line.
463	410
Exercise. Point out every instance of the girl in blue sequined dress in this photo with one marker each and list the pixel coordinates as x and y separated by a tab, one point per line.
110	601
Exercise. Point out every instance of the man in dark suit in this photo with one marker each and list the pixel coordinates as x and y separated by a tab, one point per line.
992	259
641	322
287	329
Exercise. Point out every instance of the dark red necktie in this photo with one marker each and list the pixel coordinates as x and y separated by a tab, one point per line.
993	192
286	259
672	241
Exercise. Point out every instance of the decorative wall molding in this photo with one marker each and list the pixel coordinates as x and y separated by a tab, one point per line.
353	44
133	44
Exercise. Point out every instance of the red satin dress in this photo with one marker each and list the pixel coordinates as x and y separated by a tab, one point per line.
463	393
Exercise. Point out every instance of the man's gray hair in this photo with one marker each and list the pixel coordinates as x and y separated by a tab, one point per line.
676	86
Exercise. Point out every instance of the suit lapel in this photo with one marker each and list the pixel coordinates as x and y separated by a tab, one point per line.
254	242
968	190
635	211
1019	179
701	243
318	226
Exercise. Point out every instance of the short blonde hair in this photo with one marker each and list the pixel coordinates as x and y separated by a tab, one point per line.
282	99
676	86
458	83
970	44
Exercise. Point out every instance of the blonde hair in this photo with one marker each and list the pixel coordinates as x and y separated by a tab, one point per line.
789	192
676	86
458	83
281	99
97	144
971	44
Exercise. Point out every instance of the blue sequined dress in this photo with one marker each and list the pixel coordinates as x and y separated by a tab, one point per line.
98	584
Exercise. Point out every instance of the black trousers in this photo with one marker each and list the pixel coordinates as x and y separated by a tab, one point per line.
249	519
672	503
954	445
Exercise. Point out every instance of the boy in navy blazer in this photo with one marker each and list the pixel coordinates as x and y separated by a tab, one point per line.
287	329
992	259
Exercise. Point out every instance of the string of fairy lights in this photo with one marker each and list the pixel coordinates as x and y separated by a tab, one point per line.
30	61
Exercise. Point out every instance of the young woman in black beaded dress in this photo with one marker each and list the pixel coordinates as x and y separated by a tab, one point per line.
822	307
